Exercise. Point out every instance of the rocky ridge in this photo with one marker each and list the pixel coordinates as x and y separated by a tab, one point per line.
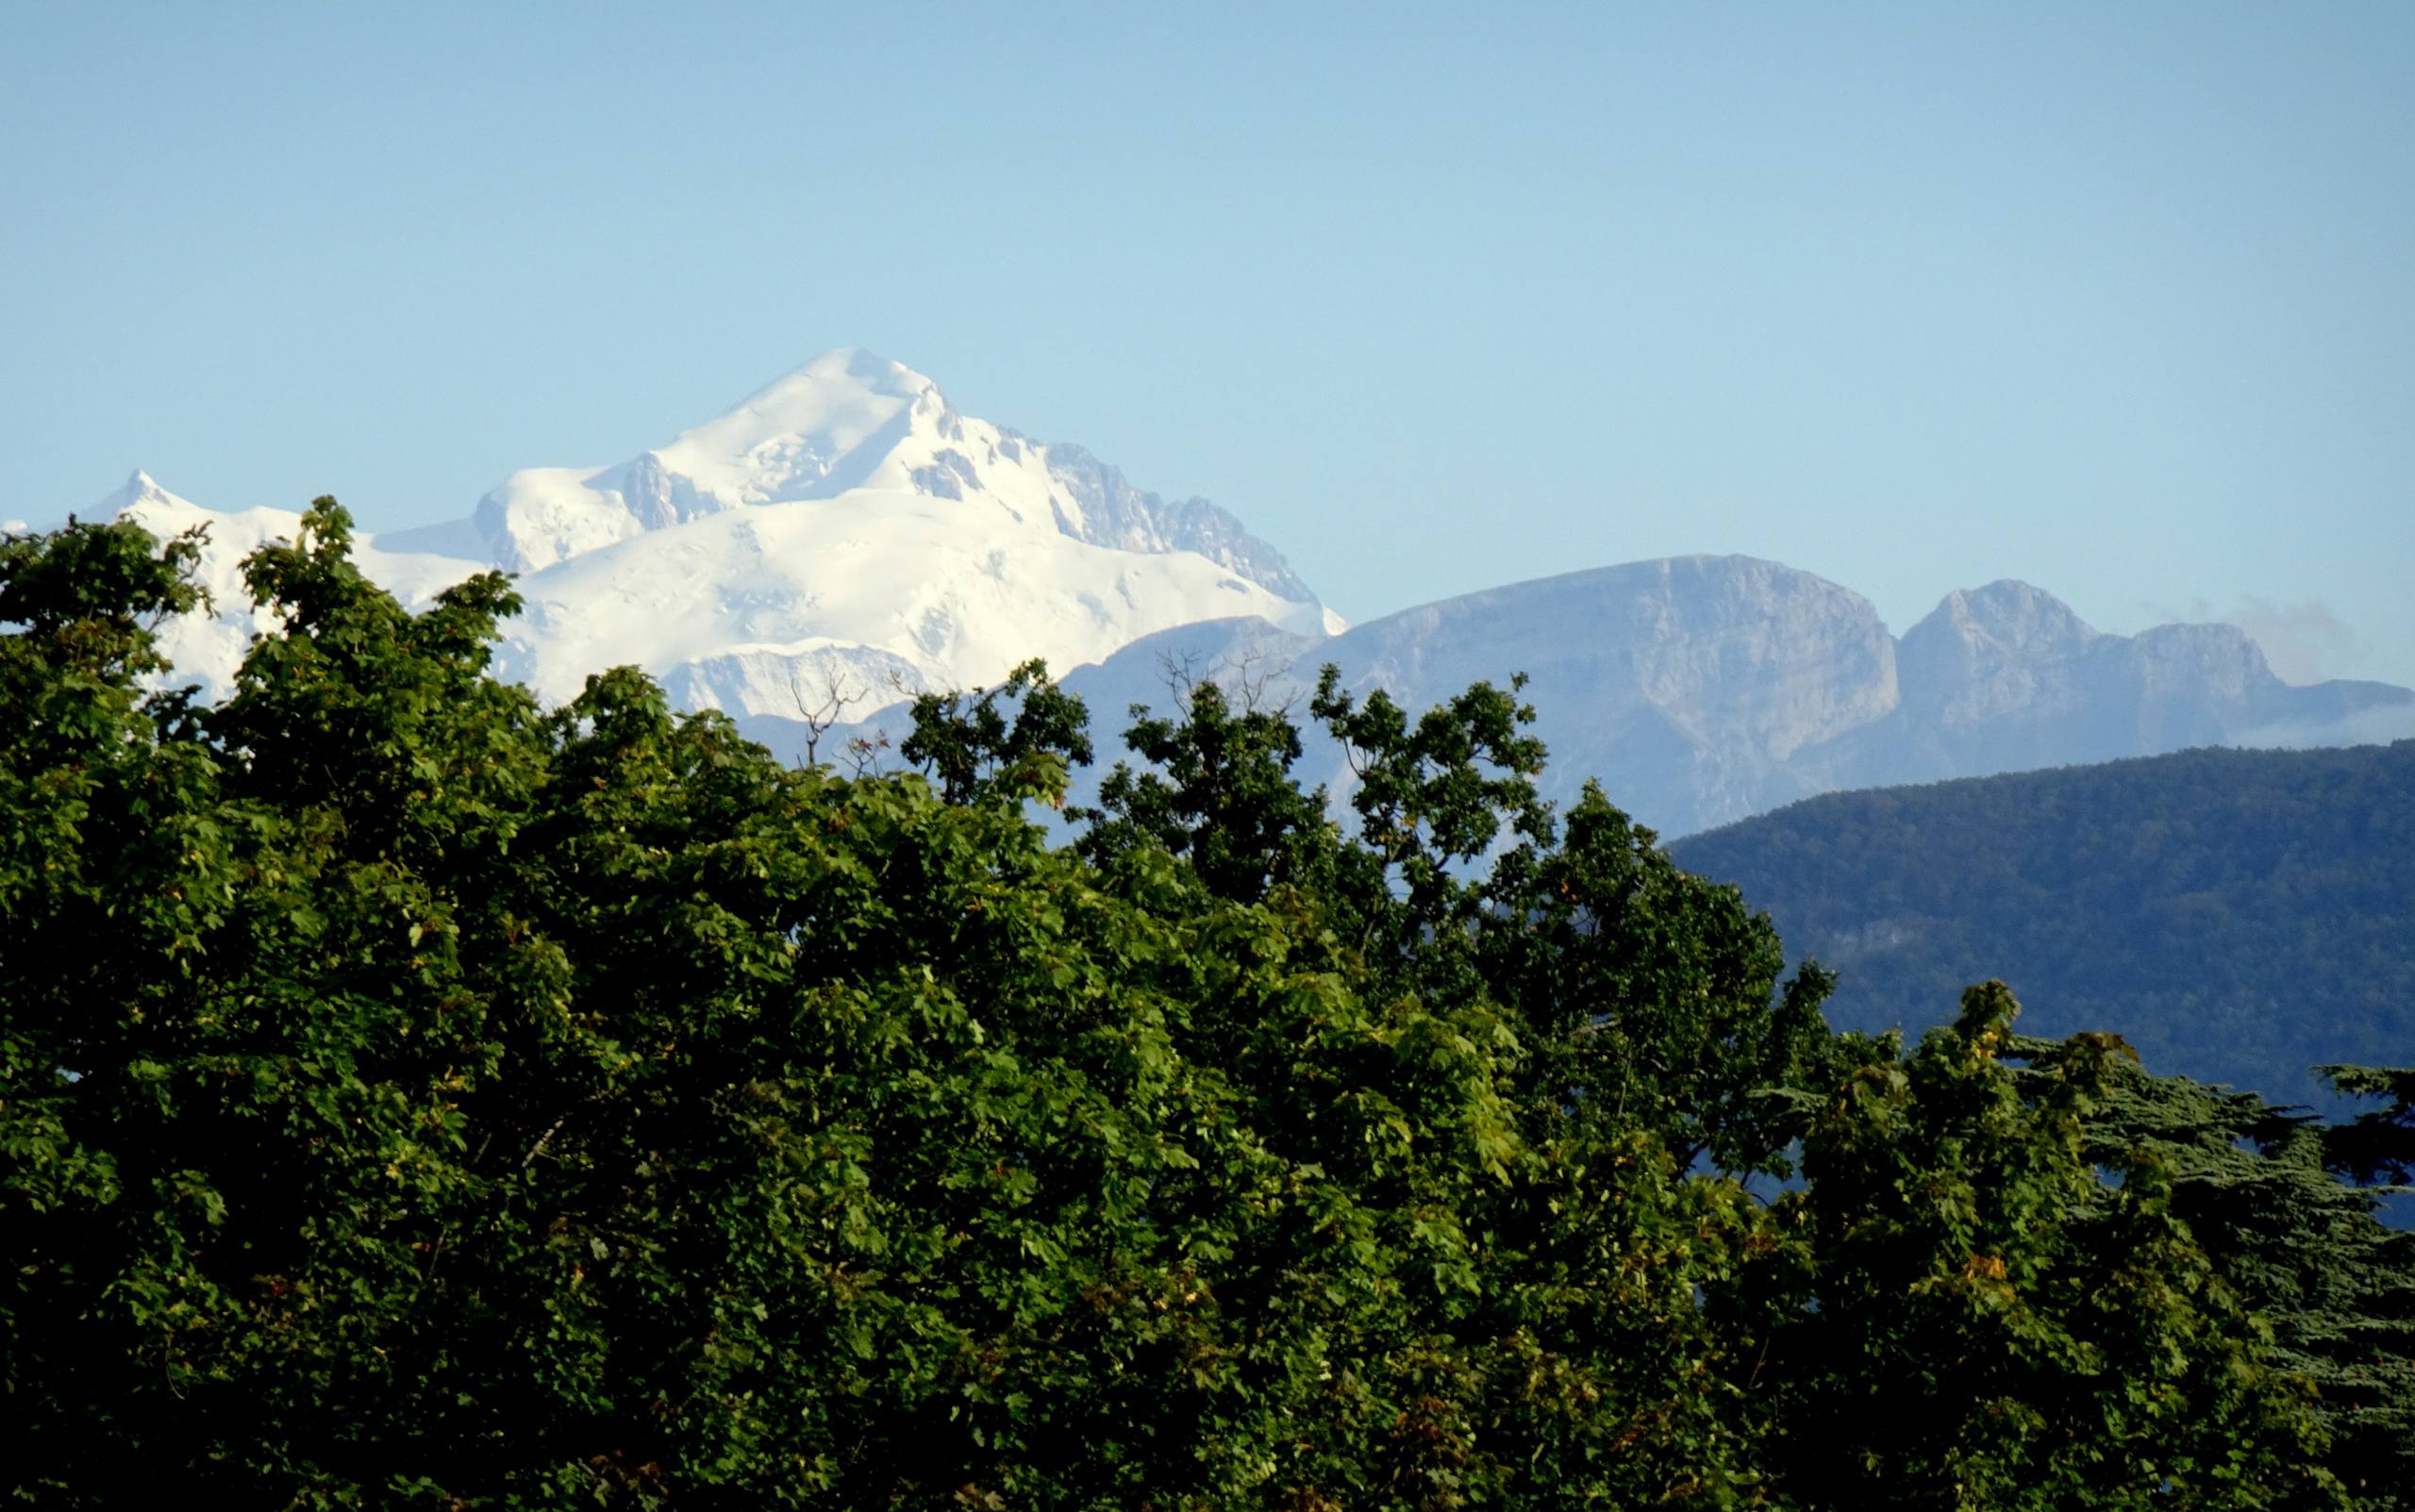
1702	690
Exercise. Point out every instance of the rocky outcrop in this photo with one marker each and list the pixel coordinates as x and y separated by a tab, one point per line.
1700	689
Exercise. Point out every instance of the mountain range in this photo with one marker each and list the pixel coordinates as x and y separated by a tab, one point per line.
844	530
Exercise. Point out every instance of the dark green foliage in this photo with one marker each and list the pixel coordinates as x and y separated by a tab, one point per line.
2239	916
2378	1145
1654	996
409	1097
1645	992
1217	793
1975	1319
2260	1190
965	740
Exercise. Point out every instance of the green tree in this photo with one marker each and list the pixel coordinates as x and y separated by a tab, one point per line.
2261	1189
965	741
1980	1308
240	1000
412	1096
2377	1146
1217	793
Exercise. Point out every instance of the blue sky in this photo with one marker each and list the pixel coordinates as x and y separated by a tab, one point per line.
2118	299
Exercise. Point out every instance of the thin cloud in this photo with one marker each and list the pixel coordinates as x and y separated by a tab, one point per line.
2372	726
2305	642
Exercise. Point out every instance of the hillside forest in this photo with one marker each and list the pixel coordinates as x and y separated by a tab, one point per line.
414	1096
2240	916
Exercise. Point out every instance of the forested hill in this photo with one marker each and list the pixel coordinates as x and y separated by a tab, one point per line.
2238	916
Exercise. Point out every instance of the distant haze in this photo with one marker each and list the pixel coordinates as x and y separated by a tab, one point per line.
2112	299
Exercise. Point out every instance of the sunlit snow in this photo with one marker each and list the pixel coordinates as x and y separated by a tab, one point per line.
842	524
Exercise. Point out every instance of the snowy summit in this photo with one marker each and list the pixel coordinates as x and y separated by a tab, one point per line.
843	523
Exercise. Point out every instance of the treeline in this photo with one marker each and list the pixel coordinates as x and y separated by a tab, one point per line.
2240	916
413	1097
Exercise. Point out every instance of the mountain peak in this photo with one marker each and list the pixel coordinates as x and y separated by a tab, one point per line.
2020	618
837	376
796	429
139	483
138	488
852	421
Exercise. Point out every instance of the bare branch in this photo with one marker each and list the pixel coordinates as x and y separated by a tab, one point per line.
863	751
824	704
1179	671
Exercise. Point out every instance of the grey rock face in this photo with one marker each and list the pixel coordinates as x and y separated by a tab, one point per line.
1113	513
1702	690
1689	686
1986	651
2005	679
658	499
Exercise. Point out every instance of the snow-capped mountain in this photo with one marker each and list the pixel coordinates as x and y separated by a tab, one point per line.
846	423
842	526
206	648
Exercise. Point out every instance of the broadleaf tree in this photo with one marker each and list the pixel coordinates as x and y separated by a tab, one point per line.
413	1096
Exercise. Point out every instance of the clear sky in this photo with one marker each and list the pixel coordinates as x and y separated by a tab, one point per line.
2116	298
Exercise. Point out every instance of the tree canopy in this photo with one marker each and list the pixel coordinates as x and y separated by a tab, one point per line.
410	1096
